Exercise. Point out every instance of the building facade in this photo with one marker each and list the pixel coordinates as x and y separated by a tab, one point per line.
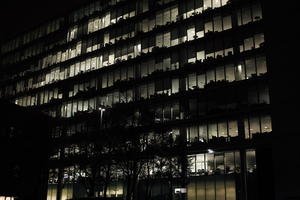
187	83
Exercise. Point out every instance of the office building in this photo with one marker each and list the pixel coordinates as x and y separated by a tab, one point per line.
152	99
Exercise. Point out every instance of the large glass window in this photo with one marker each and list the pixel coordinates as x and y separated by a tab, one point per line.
250	160
212	130
248	44
220	73
159	18
207	4
191	32
192	80
217	23
261	65
201	80
233	128
246	15
259	40
240	72
222	129
256	11
216	3
208	27
266	125
250	67
264	94
215	163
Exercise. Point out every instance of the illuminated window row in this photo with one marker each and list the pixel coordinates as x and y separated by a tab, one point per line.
144	91
6	198
215	163
164	113
245	69
257	40
229	128
206	132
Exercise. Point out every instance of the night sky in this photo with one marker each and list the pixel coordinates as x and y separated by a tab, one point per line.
20	15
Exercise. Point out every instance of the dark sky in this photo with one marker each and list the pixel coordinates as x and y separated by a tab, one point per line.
19	15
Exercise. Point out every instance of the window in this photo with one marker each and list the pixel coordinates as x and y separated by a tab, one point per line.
151	89
222	129
106	38
254	125
227	23
216	3
210	76
166	63
201	80
246	15
191	33
248	44
214	163
193	134
257	124
203	133
220	73
191	54
166	16
174	13
266	125
261	65
256	11
224	2
208	27
167	39
212	130
200	55
91	26
250	67
72	33
176	111
259	40
250	160
207	4
159	40
175	85
217	22
159	18
78	48
107	19
252	96
174	37
199	29
110	79
111	57
192	80
233	128
137	49
264	94
240	72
